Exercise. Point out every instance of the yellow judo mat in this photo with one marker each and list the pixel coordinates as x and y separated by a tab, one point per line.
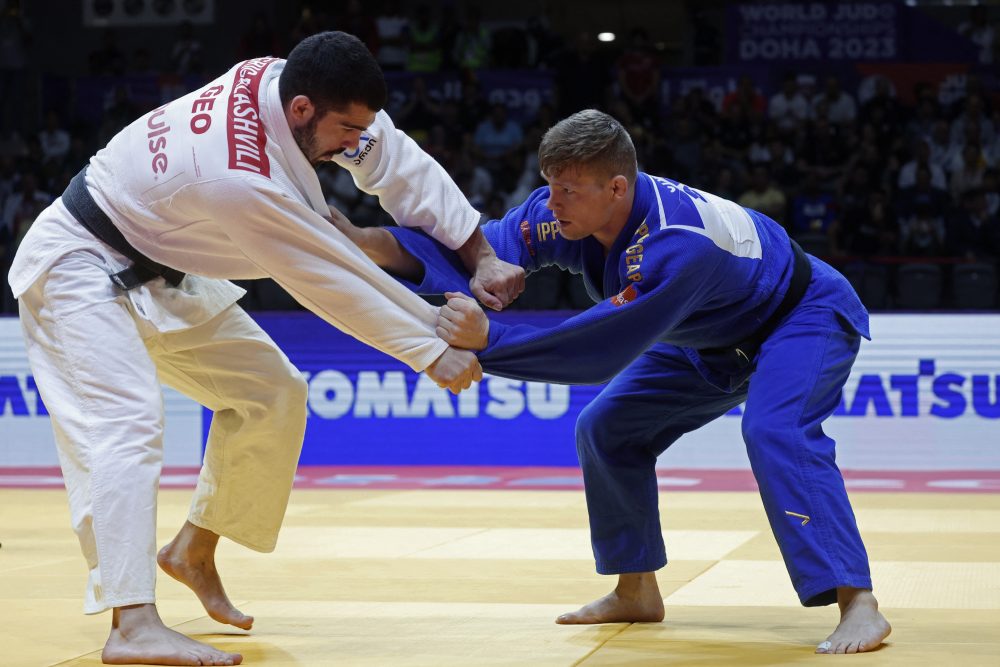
477	577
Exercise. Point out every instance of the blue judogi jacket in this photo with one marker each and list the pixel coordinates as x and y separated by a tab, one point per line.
689	269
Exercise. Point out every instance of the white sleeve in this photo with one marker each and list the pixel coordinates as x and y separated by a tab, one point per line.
410	184
326	272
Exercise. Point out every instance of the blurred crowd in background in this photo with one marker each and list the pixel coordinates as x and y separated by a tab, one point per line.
902	197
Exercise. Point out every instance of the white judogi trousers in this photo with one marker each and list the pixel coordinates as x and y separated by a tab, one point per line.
98	362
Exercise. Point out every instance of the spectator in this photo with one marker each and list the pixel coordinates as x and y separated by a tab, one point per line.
921	158
53	139
108	60
261	40
870	229
921	126
763	196
186	56
392	27
939	143
472	108
15	38
840	107
354	19
967	171
975	234
922	234
581	78
746	97
498	137
471	49
991	192
423	37
419	113
980	32
638	71
973	121
923	193
788	108
813	209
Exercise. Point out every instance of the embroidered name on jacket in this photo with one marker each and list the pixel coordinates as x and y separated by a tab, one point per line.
243	126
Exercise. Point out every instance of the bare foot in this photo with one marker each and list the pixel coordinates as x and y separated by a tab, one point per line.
636	599
190	559
138	636
862	626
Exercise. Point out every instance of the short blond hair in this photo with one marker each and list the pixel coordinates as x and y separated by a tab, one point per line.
588	139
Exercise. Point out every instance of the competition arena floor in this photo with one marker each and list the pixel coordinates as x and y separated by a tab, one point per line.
434	566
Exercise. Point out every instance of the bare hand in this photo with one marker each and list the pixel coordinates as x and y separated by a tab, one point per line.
462	323
455	370
497	283
345	226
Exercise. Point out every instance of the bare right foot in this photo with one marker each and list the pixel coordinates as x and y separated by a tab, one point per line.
636	599
138	636
190	559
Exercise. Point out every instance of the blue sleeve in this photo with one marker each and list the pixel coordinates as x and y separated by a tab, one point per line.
676	272
527	236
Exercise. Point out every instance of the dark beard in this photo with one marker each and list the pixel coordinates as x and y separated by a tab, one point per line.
305	138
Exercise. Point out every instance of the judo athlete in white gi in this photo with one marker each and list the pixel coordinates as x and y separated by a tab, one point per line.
701	305
220	184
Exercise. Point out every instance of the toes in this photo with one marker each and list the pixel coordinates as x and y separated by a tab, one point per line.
824	647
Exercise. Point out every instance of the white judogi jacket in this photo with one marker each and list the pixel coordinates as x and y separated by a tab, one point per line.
214	185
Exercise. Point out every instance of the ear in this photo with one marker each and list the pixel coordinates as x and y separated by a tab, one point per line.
619	187
301	110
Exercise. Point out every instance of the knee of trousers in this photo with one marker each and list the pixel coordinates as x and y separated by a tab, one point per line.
599	430
291	393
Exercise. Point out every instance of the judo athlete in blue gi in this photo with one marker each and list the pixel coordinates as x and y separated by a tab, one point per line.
701	305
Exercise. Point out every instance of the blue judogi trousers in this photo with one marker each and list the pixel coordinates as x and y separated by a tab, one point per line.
800	372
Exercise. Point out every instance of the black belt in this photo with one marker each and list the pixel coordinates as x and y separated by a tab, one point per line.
739	357
82	206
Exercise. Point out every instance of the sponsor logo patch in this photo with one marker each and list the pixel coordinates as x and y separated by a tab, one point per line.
627	295
526	235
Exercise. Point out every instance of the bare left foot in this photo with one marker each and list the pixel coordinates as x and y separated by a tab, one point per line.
862	626
190	559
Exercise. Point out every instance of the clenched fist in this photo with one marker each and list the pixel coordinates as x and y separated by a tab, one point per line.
462	323
455	370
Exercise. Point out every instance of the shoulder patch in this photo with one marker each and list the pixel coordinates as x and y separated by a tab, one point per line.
526	235
627	295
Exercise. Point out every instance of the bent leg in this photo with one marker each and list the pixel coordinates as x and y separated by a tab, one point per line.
259	399
647	407
619	435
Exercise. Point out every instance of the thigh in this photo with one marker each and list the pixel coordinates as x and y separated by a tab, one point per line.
225	361
801	372
660	397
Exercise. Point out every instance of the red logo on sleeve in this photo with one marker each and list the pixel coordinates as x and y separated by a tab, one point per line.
625	296
526	235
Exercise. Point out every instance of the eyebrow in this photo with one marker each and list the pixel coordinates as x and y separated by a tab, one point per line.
360	128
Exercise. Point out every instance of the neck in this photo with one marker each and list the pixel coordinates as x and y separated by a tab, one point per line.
607	235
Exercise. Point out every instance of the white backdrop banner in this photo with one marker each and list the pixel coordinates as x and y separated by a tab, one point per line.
923	396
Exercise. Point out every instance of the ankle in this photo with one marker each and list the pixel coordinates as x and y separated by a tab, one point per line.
636	585
131	618
848	597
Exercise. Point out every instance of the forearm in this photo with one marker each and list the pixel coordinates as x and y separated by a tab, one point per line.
381	247
475	250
